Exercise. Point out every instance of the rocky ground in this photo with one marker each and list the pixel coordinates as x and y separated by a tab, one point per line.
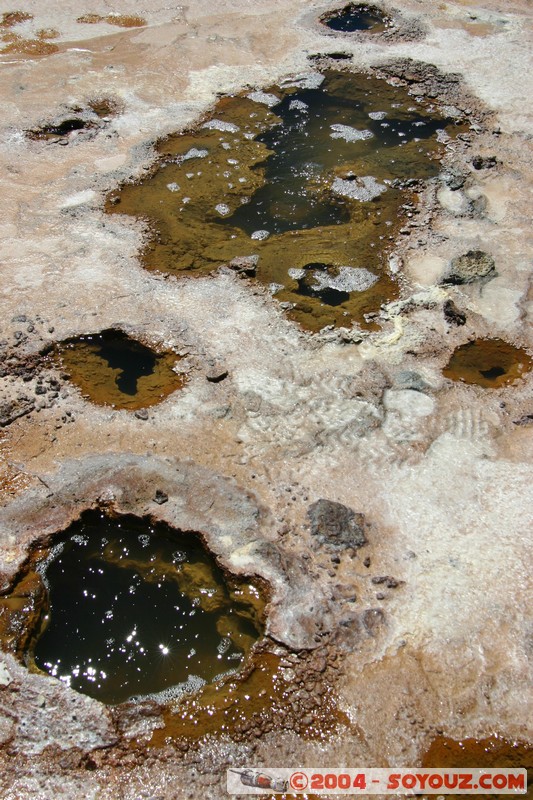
377	647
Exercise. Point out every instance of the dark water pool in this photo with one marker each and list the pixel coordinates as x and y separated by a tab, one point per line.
136	609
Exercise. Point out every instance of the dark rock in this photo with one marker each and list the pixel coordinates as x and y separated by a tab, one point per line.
487	162
337	525
160	497
472	266
141	413
40	389
527	419
452	314
390	583
339	55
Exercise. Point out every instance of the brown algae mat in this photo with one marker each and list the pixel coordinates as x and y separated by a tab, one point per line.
303	186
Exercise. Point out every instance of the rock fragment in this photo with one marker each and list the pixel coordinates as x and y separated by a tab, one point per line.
452	315
216	371
469	267
245	265
13	409
484	162
337	525
388	580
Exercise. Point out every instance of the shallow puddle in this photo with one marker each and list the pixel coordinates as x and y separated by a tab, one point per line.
254	705
112	369
357	17
490	363
121	607
63	128
304	183
492	752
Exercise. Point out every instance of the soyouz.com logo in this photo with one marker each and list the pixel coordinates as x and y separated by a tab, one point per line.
406	781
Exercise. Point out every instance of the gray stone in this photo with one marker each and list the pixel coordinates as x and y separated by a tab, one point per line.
409	379
13	409
337	525
486	162
216	371
453	178
472	266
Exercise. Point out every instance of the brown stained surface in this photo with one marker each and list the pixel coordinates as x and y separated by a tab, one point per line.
490	363
47	33
12	480
32	47
206	169
493	752
104	106
121	20
11	18
101	381
20	612
14	43
264	700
